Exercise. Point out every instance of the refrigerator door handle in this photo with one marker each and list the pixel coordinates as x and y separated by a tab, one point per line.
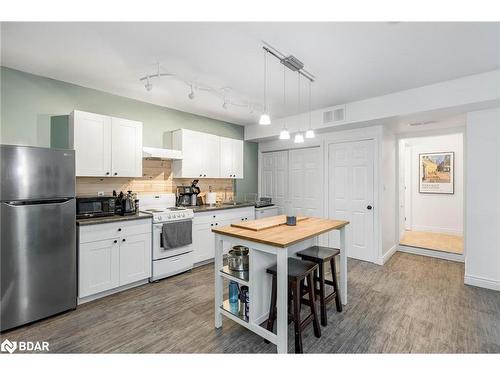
38	202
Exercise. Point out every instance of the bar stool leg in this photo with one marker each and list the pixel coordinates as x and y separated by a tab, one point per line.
317	329
322	302
338	302
296	316
272	308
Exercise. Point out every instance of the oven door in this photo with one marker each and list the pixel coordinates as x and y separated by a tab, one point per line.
159	252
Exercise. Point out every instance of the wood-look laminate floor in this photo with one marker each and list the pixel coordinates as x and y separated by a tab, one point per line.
413	304
434	241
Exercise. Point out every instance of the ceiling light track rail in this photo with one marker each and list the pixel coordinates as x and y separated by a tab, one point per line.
290	61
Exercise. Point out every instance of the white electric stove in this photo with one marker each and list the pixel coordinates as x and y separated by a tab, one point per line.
167	260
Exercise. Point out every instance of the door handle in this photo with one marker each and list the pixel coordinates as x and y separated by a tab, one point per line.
369	207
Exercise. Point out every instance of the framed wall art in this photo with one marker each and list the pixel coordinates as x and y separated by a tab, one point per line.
437	173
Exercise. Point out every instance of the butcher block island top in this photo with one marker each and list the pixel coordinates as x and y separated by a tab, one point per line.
268	232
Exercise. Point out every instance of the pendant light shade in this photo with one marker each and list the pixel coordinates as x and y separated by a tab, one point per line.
310	133
284	134
299	138
265	119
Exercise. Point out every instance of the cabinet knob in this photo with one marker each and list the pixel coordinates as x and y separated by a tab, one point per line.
216	223
201	175
119	229
211	225
115	241
123	240
116	174
107	173
204	175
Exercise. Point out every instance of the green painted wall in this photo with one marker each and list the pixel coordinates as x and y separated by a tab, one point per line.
29	104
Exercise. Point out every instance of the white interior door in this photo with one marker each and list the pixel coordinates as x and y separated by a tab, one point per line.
350	188
305	183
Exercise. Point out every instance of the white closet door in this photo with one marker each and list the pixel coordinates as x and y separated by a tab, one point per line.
274	179
306	182
350	189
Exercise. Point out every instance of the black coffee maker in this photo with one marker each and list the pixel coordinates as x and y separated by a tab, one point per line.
188	195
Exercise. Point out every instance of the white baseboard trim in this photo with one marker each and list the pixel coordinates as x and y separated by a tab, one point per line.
388	254
423	228
482	282
431	253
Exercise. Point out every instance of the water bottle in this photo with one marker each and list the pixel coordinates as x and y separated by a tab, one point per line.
245	301
233	297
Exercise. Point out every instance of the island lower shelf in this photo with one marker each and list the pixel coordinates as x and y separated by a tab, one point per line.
239	277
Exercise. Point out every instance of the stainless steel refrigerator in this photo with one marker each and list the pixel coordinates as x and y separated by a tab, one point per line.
38	234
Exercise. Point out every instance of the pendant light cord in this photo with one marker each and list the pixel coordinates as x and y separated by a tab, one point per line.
265	81
309	104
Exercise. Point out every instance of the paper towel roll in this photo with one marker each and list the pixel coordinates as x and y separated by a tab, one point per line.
211	198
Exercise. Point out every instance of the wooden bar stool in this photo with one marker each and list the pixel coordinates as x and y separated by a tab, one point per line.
298	271
321	255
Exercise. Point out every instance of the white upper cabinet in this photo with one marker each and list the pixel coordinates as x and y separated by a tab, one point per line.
126	148
201	154
231	158
106	146
92	143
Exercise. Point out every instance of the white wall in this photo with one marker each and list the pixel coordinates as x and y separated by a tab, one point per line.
388	201
442	213
482	222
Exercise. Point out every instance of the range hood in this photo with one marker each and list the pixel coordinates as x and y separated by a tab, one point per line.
161	153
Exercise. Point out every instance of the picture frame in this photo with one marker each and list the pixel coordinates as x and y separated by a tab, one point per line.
437	173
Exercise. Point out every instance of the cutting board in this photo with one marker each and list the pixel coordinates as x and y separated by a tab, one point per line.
265	223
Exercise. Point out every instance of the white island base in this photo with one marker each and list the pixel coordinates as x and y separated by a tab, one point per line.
262	256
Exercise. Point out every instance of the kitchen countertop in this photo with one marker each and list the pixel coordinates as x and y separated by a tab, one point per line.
112	219
206	207
284	235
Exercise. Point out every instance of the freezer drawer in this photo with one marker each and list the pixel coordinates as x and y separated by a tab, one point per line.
38	260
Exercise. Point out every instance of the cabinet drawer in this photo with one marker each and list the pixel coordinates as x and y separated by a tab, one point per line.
99	232
233	214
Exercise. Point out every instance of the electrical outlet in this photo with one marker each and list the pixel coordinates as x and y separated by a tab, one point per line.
100	193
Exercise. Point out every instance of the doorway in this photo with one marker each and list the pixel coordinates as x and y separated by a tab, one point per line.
431	195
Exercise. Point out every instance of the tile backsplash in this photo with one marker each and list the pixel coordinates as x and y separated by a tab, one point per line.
157	178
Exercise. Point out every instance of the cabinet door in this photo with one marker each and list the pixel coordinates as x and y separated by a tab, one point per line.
92	144
210	156
226	158
238	158
99	267
191	145
126	146
135	258
203	242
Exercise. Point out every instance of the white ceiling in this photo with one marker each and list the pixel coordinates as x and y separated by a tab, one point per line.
351	61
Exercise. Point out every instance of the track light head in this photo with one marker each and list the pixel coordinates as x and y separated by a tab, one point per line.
191	94
224	105
148	86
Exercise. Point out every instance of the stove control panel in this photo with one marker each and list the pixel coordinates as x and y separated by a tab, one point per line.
173	216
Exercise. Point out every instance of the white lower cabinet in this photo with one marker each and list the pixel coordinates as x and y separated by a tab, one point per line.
99	267
204	222
135	258
112	256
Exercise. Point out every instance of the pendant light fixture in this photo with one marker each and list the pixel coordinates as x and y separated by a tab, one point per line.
265	119
299	138
284	134
310	131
